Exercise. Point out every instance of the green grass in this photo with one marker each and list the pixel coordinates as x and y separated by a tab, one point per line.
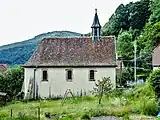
137	103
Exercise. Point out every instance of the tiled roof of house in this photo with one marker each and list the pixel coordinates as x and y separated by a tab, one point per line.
3	67
78	51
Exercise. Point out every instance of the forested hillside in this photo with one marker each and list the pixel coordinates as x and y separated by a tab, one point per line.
19	53
140	22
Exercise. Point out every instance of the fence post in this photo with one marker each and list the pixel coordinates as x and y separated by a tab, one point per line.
38	113
11	114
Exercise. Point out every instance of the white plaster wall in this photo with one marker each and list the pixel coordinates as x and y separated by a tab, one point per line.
57	84
28	74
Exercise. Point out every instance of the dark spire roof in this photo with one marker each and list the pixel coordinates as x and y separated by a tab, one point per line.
96	21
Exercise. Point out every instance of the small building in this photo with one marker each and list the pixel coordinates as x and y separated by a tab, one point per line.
3	67
3	98
156	58
120	65
74	63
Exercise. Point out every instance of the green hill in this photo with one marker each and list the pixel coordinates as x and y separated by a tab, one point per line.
19	52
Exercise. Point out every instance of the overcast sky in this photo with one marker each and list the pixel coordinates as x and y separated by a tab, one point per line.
24	19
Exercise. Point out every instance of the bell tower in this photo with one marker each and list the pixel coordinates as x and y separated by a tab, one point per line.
96	27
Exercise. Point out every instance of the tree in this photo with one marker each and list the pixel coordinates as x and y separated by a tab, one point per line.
133	15
139	14
149	38
118	21
125	46
102	87
155	8
11	81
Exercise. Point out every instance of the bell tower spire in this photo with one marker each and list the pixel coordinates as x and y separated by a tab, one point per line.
96	27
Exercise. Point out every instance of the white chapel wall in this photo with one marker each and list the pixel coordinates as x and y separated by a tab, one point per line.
57	84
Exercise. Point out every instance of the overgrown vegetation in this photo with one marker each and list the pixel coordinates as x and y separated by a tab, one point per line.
11	81
120	103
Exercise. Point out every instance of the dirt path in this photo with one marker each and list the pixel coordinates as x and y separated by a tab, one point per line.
107	118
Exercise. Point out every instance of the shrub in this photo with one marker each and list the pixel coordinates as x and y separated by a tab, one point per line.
97	112
85	117
146	90
11	81
115	93
145	106
149	107
154	80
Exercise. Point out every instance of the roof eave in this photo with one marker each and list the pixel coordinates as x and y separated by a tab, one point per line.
50	66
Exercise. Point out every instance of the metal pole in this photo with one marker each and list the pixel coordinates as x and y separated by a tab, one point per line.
11	114
135	48
34	96
35	87
38	113
121	71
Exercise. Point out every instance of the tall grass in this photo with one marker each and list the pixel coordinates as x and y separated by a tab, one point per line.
121	103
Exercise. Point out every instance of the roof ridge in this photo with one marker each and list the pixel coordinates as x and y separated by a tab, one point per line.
77	37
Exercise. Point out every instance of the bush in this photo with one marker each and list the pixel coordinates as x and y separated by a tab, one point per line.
11	81
154	80
85	117
149	107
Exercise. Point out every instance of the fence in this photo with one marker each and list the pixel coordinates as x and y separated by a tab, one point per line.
28	115
21	115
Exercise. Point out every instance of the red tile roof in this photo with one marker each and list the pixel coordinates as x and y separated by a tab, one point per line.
78	51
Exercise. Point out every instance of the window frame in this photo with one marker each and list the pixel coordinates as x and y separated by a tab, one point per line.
69	80
92	79
44	70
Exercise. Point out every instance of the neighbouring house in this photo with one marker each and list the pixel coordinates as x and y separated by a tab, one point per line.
156	58
3	98
76	63
120	65
3	67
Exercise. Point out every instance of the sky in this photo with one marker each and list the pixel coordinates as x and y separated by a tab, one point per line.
23	19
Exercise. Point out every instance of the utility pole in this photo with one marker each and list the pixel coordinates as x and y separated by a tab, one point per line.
135	49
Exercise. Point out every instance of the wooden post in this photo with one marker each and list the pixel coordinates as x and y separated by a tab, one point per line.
39	113
11	114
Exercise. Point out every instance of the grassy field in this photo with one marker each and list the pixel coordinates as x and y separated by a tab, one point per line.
126	104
